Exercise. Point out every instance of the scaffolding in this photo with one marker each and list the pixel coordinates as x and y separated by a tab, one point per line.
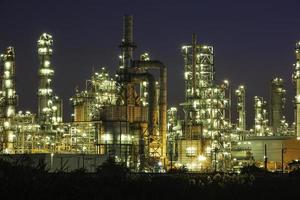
207	105
101	90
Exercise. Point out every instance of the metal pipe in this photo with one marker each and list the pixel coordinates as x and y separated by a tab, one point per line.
194	43
155	64
152	117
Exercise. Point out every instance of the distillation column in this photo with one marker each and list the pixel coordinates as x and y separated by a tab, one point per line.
49	106
172	135
10	98
241	108
277	104
260	121
296	78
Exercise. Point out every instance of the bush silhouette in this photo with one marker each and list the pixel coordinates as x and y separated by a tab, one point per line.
252	169
180	170
112	169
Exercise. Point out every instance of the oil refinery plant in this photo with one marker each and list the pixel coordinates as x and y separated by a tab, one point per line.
125	117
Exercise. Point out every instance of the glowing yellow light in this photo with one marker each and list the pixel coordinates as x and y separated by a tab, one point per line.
201	158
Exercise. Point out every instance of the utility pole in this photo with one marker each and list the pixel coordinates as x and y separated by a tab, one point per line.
266	158
282	158
171	159
215	159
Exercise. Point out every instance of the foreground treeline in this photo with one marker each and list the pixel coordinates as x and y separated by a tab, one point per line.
114	181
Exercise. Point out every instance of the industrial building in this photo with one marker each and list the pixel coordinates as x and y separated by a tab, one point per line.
125	116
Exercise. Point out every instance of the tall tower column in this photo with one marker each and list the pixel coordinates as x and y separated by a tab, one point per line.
241	108
296	78
277	104
10	98
46	73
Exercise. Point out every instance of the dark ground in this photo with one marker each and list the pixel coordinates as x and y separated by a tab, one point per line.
20	181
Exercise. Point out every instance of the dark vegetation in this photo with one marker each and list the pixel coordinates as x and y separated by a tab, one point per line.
114	181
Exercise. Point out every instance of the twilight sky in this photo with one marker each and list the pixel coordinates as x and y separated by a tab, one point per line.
254	41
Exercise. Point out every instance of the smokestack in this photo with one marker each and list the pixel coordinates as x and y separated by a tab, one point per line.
127	44
128	29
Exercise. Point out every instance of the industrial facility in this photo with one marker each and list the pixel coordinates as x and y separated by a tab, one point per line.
125	116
